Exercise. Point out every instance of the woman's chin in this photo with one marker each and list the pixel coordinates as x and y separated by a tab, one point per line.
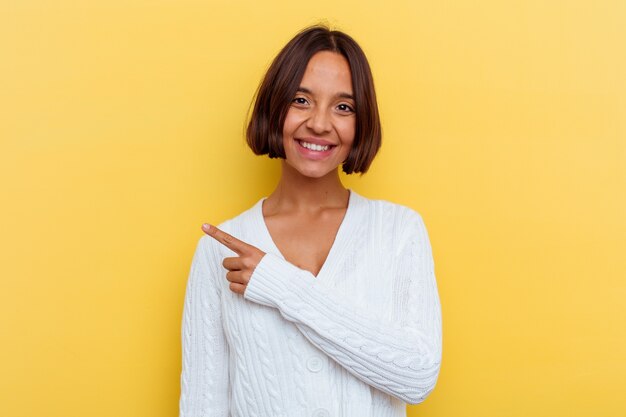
313	172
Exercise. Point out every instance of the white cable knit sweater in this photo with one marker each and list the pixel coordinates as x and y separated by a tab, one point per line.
359	340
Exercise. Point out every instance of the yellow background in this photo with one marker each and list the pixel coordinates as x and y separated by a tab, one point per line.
121	128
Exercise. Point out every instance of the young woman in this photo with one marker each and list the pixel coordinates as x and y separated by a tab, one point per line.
316	301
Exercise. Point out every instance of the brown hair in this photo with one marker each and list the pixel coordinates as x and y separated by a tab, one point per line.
279	86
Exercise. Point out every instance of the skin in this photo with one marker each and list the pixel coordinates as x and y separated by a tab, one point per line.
307	207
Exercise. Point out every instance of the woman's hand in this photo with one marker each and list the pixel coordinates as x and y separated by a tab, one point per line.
240	268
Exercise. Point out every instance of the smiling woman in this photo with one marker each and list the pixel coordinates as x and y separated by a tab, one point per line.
316	301
326	73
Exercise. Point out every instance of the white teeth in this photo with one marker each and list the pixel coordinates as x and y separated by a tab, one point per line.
314	147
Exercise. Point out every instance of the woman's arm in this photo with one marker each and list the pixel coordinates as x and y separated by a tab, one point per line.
401	358
204	376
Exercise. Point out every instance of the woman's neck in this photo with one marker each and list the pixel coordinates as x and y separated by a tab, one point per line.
296	192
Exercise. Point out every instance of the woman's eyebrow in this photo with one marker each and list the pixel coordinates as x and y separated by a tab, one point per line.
342	95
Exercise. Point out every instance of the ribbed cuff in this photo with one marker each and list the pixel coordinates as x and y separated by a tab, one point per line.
268	281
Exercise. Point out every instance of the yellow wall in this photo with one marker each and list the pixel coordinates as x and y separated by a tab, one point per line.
121	132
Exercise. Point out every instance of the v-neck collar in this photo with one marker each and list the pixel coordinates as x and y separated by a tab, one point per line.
344	235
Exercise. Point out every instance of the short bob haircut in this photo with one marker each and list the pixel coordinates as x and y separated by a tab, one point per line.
279	86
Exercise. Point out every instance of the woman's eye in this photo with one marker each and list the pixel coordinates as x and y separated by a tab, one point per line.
299	100
345	107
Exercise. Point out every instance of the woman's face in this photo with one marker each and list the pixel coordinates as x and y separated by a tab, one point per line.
320	123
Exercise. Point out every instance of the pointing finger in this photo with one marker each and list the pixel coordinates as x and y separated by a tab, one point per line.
225	239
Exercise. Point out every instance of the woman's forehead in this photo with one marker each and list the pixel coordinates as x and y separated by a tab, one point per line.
327	72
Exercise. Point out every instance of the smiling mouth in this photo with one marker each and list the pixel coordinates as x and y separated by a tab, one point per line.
315	147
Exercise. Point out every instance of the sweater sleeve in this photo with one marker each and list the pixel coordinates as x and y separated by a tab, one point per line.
204	376
401	358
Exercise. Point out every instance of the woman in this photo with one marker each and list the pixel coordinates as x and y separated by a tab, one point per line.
316	301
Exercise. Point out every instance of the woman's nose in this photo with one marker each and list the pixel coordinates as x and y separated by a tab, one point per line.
319	121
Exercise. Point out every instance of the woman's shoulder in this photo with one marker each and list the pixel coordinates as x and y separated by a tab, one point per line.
401	221
390	210
240	220
235	225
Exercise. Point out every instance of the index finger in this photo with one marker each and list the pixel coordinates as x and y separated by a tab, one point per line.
225	239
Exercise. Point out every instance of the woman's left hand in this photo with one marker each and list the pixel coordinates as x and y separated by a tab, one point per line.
240	268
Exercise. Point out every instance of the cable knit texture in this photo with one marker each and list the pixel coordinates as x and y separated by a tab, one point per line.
362	338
